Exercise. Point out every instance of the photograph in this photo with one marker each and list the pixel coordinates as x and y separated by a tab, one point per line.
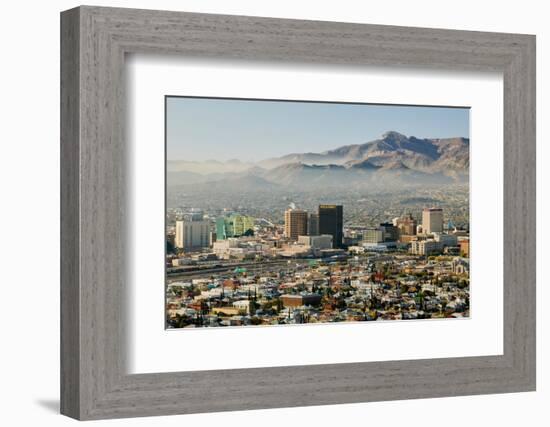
296	212
265	213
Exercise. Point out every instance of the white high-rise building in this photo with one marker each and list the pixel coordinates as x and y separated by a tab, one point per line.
432	220
192	235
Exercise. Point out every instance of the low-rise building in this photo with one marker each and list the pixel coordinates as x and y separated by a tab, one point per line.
446	239
323	241
180	262
426	247
460	265
245	306
465	247
300	300
380	246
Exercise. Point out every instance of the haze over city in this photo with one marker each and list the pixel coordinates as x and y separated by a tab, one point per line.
296	212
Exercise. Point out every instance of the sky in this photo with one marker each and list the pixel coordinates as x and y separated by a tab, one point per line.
201	129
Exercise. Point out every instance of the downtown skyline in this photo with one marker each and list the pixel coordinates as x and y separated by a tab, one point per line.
285	212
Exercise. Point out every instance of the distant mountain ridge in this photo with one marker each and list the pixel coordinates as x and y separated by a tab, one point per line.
394	157
427	155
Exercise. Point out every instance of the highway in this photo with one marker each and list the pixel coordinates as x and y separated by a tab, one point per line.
251	267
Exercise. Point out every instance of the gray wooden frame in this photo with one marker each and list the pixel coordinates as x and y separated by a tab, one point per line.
94	41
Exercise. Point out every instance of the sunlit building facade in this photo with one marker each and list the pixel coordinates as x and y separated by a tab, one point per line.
234	226
192	235
432	220
295	223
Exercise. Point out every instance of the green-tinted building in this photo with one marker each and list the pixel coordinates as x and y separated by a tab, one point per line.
234	226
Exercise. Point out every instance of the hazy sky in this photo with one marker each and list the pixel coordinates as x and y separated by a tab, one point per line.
220	129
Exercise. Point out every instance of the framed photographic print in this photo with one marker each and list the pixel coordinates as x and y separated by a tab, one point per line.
261	213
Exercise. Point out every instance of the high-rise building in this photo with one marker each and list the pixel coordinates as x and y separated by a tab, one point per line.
406	225
234	226
373	235
313	224
192	235
224	230
331	222
432	220
242	225
212	237
391	232
295	223
386	232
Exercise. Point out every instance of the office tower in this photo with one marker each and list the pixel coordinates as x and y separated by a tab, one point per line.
406	225
432	220
373	235
313	224
331	222
234	226
390	232
295	223
191	235
242	225
386	232
223	229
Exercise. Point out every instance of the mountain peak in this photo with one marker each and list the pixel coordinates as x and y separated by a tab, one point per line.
394	135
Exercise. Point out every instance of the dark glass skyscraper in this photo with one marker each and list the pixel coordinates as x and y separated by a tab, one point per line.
331	222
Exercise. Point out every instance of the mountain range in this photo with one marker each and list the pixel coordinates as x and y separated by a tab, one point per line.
392	159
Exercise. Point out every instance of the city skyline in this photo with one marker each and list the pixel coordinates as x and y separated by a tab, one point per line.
348	213
377	273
